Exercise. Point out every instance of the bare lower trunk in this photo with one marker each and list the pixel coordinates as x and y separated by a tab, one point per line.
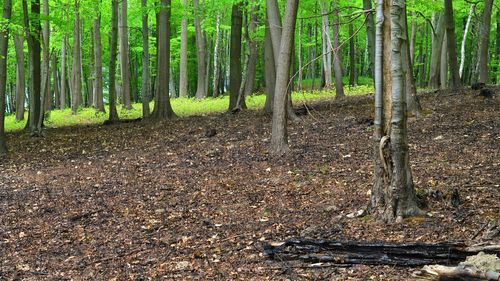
337	57
443	75
146	76
62	100
124	56
20	80
4	44
451	45
413	104
270	71
235	56
464	40
327	45
55	76
370	35
77	63
45	94
183	71
113	46
200	47
437	45
484	42
98	85
217	51
352	57
252	48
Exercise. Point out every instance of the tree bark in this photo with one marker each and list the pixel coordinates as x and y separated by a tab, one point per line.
4	44
451	45
437	44
464	40
146	75
217	51
163	109
484	42
124	56
200	47
352	57
392	196
413	37
98	84
413	104
337	57
443	76
235	56
252	48
77	62
45	98
183	79
20	80
62	100
279	135
113	46
55	75
270	71
370	34
497	51
327	45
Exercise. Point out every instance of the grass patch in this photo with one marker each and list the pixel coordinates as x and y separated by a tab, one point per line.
183	107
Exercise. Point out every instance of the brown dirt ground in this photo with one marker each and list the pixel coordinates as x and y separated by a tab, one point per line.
143	201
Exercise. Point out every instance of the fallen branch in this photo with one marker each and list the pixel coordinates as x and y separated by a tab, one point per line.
459	273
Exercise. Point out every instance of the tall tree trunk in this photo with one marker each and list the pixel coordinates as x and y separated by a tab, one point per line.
98	84
57	94
337	57
413	37
270	71
393	195
235	56
443	75
464	40
497	48
370	34
437	45
124	55
113	46
163	109
300	56
252	48
451	44
20	80
183	79
4	44
62	100
200	47
77	62
352	57
45	94
146	74
484	42
217	52
413	104
327	45
279	135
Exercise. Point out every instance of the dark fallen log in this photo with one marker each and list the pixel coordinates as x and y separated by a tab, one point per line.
380	253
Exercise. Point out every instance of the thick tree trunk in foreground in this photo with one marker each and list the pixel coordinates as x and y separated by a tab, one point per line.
464	40
20	80
235	56
77	62
4	44
146	75
98	86
484	42
113	46
393	195
163	109
451	44
200	47
370	34
124	56
337	57
279	137
183	71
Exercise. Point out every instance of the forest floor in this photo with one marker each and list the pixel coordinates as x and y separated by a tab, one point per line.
162	201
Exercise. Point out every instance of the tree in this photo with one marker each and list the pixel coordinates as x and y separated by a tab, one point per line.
124	55
201	52
337	57
45	95
113	46
20	81
484	42
437	45
4	43
252	49
146	75
270	70
98	87
393	195
464	39
327	45
451	43
279	136
163	109
235	57
62	100
183	71
77	62
370	34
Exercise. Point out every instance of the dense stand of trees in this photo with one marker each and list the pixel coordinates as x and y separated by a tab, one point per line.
73	53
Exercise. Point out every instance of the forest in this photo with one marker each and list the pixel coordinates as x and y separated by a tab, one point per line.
249	140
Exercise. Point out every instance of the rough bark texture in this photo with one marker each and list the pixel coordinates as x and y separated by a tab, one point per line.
337	57
235	56
20	80
279	136
200	47
163	109
183	71
484	42
4	44
98	86
392	196
451	44
124	56
77	62
370	34
146	76
113	46
437	44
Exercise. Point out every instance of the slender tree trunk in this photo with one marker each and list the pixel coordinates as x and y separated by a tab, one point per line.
279	135
252	47
337	57
208	56
413	37
20	80
370	34
45	98
451	45
464	40
235	56
217	48
171	82
484	42
62	100
327	45
497	51
352	57
413	104
146	75
183	79
300	56
437	45
98	84
163	109
270	71
113	46
77	62
4	44
124	55
57	94
443	76
200	46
